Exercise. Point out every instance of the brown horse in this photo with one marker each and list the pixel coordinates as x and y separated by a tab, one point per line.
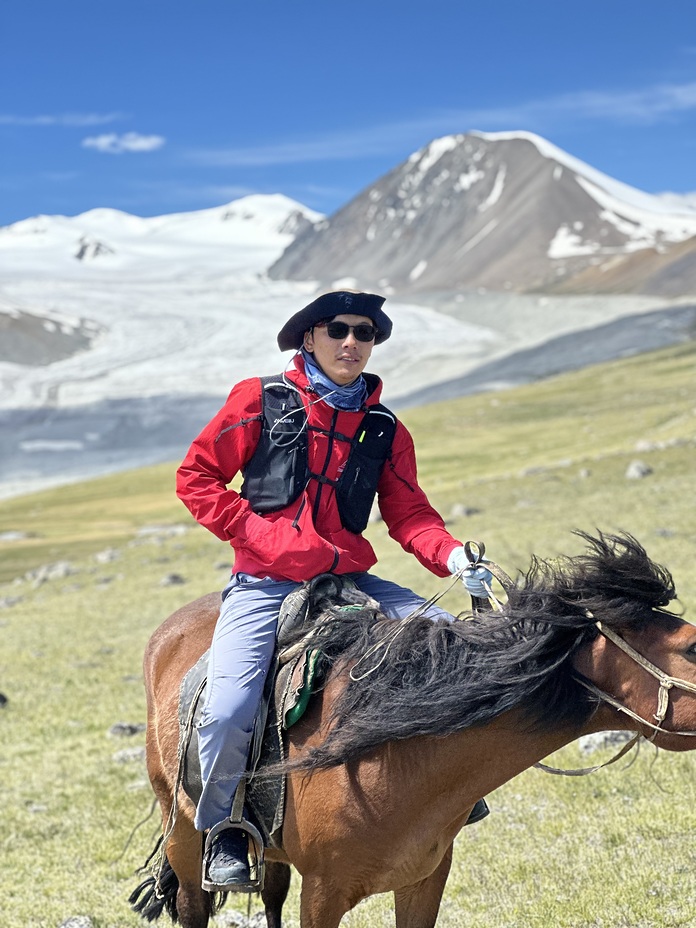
419	720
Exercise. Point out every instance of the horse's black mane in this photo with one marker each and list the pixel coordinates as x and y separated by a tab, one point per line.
436	678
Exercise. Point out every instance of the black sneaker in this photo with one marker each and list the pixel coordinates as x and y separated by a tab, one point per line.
228	864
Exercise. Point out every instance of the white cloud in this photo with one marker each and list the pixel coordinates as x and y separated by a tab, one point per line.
646	106
113	144
60	119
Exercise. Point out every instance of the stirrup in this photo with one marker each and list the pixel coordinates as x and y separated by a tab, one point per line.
256	860
479	812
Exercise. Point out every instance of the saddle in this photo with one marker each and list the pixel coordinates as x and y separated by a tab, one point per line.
296	671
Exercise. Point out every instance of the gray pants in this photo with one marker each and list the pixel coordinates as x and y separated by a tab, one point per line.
240	656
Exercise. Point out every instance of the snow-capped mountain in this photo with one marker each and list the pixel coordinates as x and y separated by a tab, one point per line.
173	305
504	211
246	232
120	336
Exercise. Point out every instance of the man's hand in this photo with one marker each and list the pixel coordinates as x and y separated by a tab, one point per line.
477	579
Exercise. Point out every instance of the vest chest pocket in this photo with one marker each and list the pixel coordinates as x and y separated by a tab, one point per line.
277	483
357	486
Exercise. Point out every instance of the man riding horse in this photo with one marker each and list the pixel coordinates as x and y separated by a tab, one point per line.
315	447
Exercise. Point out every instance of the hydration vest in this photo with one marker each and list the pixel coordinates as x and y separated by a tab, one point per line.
279	471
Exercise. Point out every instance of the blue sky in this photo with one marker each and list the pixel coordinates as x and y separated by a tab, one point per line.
155	107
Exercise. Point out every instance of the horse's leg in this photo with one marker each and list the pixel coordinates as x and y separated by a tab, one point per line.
417	906
321	904
275	890
184	852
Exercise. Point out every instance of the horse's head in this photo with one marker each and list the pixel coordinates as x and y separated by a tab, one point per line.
649	676
641	659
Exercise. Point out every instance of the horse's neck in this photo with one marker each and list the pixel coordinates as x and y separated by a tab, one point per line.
479	760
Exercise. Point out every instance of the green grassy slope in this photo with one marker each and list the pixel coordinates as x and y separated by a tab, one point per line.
529	465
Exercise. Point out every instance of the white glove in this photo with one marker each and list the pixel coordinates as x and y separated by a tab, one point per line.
475	579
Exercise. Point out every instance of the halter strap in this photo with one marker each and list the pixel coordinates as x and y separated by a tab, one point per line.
667	683
654	671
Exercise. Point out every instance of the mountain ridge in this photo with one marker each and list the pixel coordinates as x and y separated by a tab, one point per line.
498	211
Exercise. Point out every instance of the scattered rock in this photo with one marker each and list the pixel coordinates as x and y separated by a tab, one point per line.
14	536
163	531
172	580
525	503
462	511
77	921
36	808
233	919
665	532
57	571
645	444
532	471
6	602
604	739
636	470
142	783
129	756
107	556
3	700
584	473
126	729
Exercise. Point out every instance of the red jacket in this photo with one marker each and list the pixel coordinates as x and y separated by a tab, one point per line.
270	545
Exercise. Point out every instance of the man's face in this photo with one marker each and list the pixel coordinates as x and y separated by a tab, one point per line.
341	359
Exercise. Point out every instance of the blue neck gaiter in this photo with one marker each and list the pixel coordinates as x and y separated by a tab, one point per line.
350	398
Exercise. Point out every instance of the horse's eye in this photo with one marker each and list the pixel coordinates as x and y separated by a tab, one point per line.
690	653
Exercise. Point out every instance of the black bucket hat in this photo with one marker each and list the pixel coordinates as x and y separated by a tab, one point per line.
336	303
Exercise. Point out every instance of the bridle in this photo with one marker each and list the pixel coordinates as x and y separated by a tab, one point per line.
667	684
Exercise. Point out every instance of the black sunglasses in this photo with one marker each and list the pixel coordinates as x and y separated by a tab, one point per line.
363	332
